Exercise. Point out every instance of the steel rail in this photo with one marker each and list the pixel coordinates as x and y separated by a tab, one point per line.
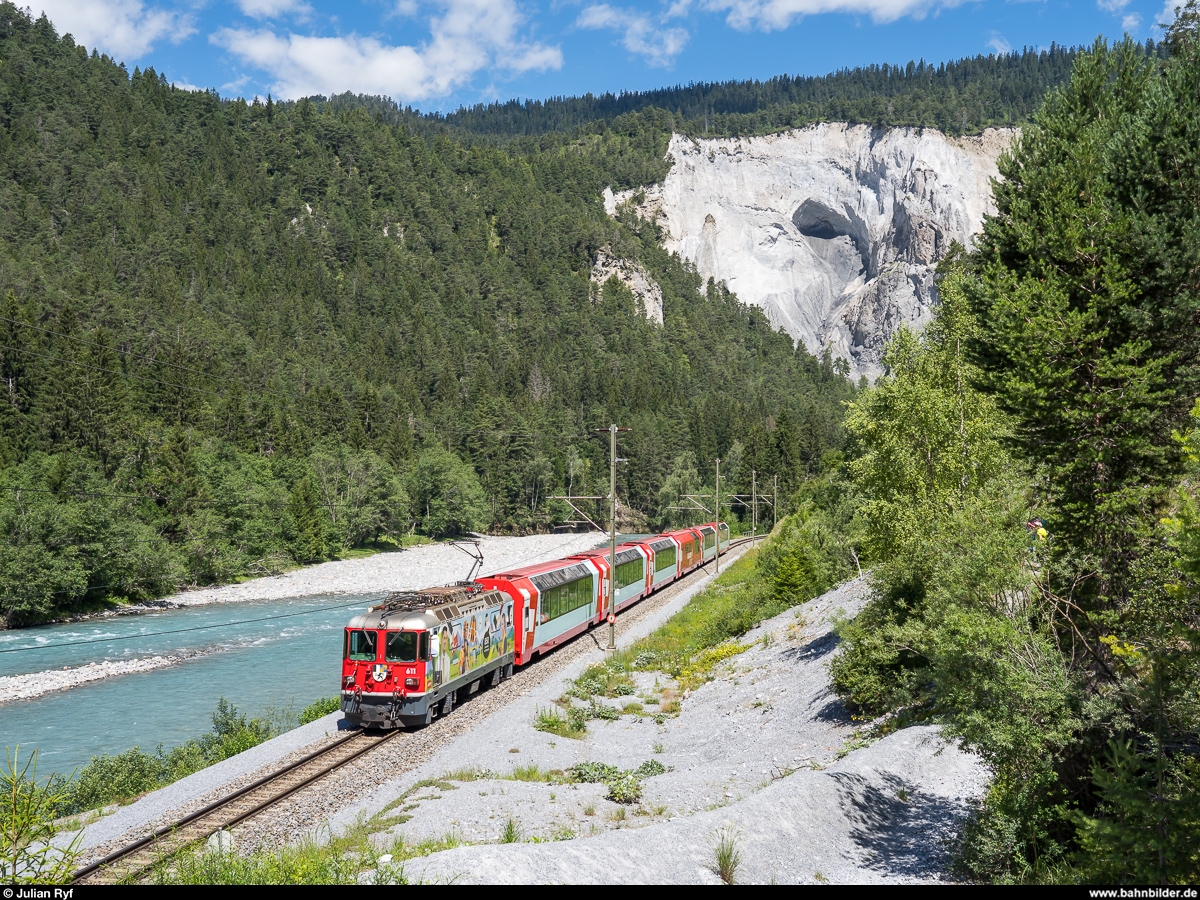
193	828
152	849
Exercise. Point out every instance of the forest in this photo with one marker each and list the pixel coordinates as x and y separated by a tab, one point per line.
240	336
956	97
1023	486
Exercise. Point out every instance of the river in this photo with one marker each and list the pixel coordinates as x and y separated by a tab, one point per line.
256	665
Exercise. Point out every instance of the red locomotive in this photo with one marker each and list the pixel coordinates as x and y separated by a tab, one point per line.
408	659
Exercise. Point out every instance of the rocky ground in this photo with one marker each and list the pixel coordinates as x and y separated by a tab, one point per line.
763	757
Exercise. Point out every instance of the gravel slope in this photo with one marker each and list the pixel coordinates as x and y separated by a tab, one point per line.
754	753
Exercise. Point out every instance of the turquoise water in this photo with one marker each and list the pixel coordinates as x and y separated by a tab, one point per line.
257	665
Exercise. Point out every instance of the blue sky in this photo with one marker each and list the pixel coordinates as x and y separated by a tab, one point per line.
445	54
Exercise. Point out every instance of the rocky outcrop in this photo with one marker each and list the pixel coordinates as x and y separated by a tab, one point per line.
635	277
834	230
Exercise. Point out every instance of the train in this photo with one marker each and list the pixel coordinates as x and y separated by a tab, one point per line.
408	659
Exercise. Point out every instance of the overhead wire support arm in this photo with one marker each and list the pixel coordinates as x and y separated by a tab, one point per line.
580	512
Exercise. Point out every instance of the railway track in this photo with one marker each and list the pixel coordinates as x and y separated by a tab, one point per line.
133	862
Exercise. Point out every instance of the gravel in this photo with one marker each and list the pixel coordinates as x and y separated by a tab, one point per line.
24	687
309	810
416	567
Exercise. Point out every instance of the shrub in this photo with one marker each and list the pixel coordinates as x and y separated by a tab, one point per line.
27	813
592	772
625	788
319	708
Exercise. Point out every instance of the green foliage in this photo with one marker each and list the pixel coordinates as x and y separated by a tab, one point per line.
592	772
1053	382
625	788
968	94
347	860
1147	830
728	856
320	708
1086	292
125	776
27	812
335	330
572	725
512	833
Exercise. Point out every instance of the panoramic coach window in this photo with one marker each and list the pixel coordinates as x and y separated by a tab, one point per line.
401	646
629	573
664	559
567	597
360	645
710	540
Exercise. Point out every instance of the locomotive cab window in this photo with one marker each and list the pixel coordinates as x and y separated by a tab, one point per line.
402	646
360	645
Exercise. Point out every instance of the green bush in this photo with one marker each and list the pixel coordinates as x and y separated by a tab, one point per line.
625	788
592	772
319	708
111	779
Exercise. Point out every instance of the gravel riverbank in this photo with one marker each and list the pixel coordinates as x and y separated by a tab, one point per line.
26	687
413	568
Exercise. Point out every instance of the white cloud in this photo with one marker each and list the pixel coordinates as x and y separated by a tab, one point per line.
271	9
1169	11
770	15
1131	23
999	44
124	29
469	36
641	33
185	86
1112	6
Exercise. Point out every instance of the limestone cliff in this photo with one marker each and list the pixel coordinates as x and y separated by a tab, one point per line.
635	277
834	230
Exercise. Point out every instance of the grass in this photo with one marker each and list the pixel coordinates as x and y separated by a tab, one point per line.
352	858
384	545
533	773
512	833
727	855
552	721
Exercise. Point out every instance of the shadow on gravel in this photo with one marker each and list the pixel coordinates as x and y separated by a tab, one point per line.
899	828
814	649
835	712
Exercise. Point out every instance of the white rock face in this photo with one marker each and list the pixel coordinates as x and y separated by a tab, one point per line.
834	230
634	276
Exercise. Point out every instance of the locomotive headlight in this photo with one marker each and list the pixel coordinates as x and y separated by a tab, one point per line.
410	682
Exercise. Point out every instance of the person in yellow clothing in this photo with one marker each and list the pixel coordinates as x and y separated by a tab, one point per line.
1038	529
